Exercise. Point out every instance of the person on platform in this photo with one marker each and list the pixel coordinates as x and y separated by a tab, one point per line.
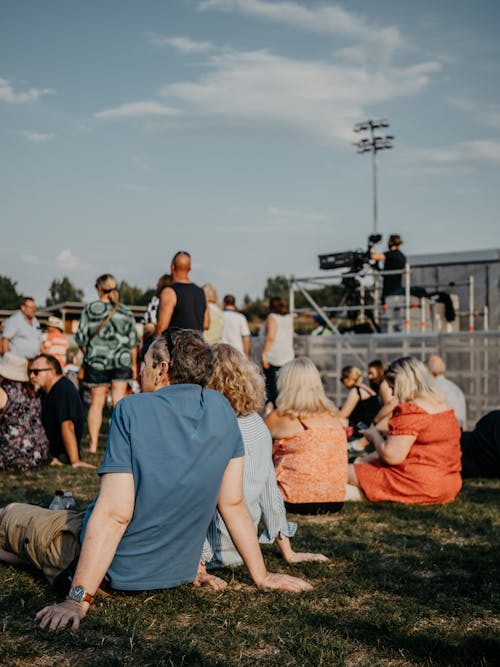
394	260
183	304
236	332
174	453
62	411
21	333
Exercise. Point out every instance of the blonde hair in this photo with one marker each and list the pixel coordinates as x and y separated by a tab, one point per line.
300	390
352	373
210	293
238	378
411	379
107	283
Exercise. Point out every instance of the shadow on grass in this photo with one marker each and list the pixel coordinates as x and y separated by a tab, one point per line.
472	649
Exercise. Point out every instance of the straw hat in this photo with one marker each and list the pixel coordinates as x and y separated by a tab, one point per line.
13	368
56	322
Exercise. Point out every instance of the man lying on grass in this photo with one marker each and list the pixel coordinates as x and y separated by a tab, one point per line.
173	454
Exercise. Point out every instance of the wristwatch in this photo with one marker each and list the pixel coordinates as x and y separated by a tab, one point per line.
79	594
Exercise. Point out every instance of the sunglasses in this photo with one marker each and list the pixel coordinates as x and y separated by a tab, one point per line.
36	371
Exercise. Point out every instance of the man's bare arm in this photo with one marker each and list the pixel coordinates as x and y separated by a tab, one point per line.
4	345
109	519
168	300
71	445
247	346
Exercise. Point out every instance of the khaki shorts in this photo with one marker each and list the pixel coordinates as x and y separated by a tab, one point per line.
47	539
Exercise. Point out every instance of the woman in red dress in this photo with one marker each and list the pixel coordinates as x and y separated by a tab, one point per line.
419	461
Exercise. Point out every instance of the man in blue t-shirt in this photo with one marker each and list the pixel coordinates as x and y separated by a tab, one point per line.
173	455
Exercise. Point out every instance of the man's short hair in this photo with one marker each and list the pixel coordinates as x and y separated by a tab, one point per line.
190	359
229	300
51	361
26	299
377	363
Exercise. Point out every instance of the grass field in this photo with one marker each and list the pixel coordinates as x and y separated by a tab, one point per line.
405	586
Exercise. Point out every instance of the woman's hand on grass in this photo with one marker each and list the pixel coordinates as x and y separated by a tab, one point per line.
304	556
284	582
59	616
210	580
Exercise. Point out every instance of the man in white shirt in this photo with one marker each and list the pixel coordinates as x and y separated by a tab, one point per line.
21	333
236	332
451	392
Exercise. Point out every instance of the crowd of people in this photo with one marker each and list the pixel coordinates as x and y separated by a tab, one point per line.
213	445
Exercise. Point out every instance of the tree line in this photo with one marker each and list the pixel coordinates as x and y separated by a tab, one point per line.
255	309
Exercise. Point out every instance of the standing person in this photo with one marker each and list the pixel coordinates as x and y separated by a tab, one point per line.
213	334
183	304
394	260
108	338
451	392
54	341
236	332
278	345
174	453
62	411
23	442
21	333
150	318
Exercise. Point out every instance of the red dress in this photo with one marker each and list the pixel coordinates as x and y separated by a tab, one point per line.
430	474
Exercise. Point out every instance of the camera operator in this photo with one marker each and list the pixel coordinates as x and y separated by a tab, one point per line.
393	260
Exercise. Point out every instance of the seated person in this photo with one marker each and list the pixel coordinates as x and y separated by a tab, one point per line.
62	411
419	460
310	442
362	403
375	374
172	455
242	384
481	448
451	392
23	442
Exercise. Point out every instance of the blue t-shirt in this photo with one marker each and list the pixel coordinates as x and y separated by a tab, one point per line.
177	443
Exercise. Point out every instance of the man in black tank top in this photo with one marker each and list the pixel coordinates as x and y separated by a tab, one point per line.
182	304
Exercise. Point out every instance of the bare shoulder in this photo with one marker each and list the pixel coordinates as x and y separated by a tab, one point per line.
281	426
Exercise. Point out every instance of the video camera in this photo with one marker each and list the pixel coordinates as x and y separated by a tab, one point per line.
354	260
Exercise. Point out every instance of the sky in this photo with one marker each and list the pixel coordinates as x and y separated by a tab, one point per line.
130	130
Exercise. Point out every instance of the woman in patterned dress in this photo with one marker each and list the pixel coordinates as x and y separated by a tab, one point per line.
110	351
23	443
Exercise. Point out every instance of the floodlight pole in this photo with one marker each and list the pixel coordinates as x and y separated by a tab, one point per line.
373	145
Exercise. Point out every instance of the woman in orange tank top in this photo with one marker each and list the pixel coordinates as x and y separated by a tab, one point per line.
310	442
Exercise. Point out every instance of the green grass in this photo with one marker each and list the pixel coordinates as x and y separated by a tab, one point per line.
405	586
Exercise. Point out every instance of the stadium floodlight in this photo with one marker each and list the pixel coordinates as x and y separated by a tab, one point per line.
373	144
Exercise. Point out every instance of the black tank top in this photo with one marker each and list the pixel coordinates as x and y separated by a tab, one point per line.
365	409
189	310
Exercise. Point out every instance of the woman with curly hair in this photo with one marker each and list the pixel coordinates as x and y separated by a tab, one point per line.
240	381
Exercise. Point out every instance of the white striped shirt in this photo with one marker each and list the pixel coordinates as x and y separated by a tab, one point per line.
262	496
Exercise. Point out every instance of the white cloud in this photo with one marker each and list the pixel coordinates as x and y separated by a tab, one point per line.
465	156
489	116
315	98
183	44
8	94
326	19
29	259
136	110
68	261
37	137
